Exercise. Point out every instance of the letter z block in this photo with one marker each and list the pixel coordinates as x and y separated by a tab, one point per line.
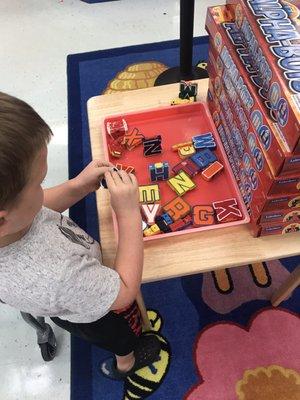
181	183
152	146
149	193
227	210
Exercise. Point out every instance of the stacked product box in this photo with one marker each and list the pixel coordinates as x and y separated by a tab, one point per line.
269	171
269	37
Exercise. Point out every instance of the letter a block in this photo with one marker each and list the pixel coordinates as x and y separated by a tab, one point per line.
177	208
149	194
227	210
181	183
203	215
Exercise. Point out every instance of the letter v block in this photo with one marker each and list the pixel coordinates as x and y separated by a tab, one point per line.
227	210
181	183
150	211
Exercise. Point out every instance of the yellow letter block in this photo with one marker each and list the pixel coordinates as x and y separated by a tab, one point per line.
186	151
153	230
181	183
149	194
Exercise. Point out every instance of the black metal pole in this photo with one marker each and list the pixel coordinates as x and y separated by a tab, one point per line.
187	8
186	70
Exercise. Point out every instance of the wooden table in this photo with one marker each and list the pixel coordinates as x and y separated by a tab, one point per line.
184	254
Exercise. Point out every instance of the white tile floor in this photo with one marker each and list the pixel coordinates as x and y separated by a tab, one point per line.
36	36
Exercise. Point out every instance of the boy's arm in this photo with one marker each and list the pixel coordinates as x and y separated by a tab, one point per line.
61	197
123	188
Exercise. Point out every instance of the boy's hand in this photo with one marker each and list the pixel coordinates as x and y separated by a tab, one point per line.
123	188
89	179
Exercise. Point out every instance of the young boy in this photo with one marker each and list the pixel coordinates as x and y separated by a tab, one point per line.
48	265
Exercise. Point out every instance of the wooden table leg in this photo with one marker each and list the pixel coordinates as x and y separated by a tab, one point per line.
145	320
286	288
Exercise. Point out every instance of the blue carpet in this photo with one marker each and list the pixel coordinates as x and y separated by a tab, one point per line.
179	302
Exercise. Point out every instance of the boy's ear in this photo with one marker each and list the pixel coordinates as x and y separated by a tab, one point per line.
3	222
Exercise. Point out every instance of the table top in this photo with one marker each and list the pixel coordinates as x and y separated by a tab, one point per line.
183	254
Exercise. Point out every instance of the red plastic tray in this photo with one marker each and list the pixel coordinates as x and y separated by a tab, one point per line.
178	124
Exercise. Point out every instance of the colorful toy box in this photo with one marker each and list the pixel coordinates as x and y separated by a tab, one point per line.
251	188
280	216
272	146
246	142
268	46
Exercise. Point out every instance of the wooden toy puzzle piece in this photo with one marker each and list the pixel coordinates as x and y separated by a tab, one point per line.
150	211
188	166
203	158
153	230
133	139
117	128
159	171
204	141
181	183
149	193
152	146
187	90
181	223
177	208
186	151
203	215
211	170
144	225
227	210
127	168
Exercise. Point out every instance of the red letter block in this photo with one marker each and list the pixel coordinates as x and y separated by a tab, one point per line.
203	215
227	210
177	208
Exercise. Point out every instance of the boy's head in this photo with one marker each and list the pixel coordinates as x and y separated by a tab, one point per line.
23	163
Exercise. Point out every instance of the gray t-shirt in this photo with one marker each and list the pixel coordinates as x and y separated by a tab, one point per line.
55	270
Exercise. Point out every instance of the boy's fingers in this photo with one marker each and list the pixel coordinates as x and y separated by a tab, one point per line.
124	176
116	177
100	163
109	179
133	179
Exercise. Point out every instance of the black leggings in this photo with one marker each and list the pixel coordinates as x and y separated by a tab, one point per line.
117	332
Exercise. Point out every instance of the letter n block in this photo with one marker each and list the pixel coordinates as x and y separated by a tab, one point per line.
177	208
203	215
149	194
181	183
227	210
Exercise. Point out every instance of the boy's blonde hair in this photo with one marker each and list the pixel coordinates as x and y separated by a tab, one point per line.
23	133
